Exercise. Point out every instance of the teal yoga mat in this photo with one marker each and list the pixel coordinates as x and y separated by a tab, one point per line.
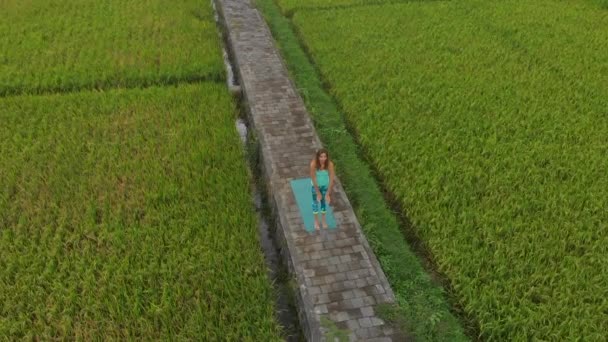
303	193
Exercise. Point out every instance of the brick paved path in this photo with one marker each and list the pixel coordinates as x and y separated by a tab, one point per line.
337	274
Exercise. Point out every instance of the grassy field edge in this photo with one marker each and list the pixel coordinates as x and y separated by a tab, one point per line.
289	10
102	86
423	309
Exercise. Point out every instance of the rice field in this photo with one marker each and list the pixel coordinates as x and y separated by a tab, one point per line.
67	45
291	6
487	120
127	215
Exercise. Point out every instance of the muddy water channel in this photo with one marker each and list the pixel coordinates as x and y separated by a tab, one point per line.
277	271
286	312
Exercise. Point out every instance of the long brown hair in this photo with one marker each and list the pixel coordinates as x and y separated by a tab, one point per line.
318	162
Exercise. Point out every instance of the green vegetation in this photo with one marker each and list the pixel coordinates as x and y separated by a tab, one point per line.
291	6
487	121
125	214
422	307
68	45
119	219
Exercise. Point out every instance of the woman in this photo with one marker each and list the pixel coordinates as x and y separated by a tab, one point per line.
322	176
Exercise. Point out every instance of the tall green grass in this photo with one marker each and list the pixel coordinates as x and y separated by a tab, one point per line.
487	120
126	215
66	45
289	7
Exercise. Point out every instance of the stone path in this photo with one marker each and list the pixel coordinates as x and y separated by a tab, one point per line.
339	280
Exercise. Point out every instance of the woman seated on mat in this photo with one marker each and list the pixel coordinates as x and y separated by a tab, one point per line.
322	179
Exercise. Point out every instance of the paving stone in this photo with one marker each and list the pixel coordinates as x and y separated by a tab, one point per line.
380	339
348	295
378	289
343	267
334	260
309	272
345	258
375	332
353	324
365	322
371	280
323	262
340	276
335	297
321	309
352	275
329	244
353	303
369	300
376	321
338	286
312	264
330	278
320	271
314	290
361	282
358	261
362	333
367	311
358	248
339	316
321	298
336	251
359	293
317	281
334	307
365	263
363	273
349	284
345	242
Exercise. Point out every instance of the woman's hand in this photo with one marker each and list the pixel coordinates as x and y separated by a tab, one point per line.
327	198
319	196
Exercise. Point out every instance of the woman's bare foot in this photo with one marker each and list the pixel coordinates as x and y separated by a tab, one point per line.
325	224
317	225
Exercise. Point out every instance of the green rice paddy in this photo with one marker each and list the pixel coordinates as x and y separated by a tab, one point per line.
125	214
67	45
487	121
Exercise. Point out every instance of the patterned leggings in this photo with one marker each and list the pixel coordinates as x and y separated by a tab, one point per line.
315	203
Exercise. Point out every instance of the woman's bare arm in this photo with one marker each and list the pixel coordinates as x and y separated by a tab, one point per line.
331	177
313	175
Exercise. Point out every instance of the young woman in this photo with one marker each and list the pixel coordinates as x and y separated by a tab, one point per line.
322	175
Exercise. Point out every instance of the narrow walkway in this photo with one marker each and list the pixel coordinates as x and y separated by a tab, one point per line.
339	279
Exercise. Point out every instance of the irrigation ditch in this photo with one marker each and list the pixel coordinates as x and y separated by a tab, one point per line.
278	273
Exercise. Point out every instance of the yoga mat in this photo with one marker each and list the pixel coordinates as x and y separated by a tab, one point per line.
303	193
